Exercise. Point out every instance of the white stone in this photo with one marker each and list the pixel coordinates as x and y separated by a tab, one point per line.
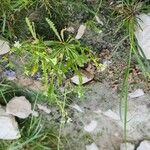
127	146
144	145
91	126
92	146
109	113
44	108
143	34
4	47
80	32
8	126
19	107
77	107
136	93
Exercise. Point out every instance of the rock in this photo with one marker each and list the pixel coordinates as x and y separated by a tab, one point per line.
144	145
91	126
143	34
85	78
8	126
92	146
111	115
19	107
136	93
127	146
77	107
4	47
80	32
44	108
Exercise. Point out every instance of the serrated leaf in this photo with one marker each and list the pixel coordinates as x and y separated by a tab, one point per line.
52	26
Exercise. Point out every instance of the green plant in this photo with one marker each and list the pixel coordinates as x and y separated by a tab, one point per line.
8	10
55	59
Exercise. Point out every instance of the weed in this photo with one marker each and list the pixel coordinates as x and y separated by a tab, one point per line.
54	58
127	11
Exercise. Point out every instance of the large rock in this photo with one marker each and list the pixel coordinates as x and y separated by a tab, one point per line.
8	126
145	145
19	107
143	34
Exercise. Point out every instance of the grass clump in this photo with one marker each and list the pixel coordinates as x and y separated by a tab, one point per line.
127	11
36	132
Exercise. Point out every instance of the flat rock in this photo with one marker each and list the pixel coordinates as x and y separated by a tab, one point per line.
127	146
137	93
19	107
144	145
8	126
4	47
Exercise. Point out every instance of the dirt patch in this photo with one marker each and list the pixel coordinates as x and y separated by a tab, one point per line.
108	133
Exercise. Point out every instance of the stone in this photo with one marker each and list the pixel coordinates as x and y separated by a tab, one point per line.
4	47
91	126
92	146
137	93
8	126
80	32
142	34
19	107
144	145
127	146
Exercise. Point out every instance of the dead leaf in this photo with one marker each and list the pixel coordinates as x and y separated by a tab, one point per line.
85	76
